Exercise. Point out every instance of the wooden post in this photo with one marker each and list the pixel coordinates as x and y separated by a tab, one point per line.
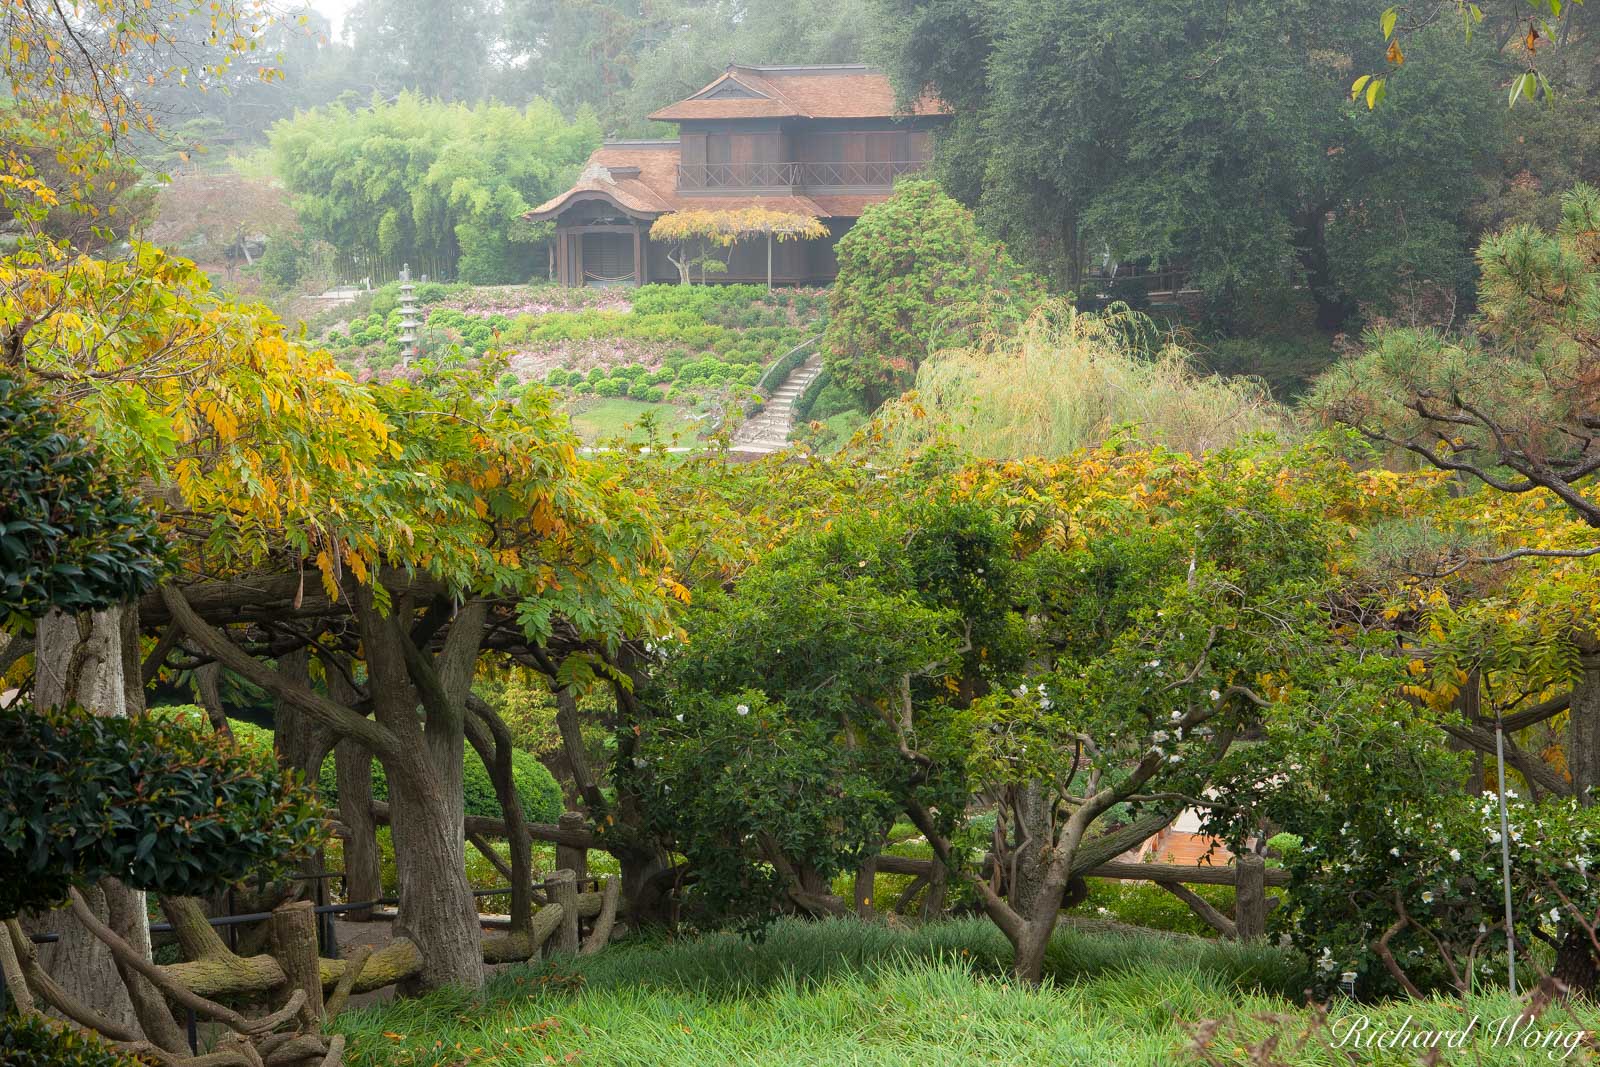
606	922
638	256
1250	898
294	944
866	884
564	891
571	857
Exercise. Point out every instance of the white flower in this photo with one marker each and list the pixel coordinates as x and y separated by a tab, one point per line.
640	762
1044	703
679	716
1176	716
1394	852
1174	758
1022	690
1555	915
1455	854
1159	735
743	709
1215	695
1153	664
1427	897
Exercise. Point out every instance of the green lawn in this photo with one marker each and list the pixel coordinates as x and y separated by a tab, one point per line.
837	993
605	420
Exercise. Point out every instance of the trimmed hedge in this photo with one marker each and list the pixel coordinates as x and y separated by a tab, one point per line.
808	399
778	373
540	795
539	792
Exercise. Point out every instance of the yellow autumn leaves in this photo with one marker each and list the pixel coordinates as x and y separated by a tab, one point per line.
724	228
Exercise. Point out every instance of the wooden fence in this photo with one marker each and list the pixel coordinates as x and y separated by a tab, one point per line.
1247	874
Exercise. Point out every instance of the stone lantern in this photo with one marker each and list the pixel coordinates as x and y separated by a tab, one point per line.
409	318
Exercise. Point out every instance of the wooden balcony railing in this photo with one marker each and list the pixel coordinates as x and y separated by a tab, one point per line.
715	177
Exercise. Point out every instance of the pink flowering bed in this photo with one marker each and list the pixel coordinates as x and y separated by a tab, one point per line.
536	300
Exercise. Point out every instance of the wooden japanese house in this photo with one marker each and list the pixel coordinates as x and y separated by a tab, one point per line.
823	141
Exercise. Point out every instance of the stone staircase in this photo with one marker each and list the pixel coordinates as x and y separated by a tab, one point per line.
768	430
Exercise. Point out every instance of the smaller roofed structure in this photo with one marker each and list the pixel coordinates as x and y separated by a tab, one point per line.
820	141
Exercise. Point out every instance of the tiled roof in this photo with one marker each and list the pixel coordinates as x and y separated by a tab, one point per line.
647	193
829	92
641	177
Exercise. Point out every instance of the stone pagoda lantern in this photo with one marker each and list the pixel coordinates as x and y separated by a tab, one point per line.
409	319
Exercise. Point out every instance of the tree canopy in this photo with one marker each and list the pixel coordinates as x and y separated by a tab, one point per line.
1223	142
441	186
915	276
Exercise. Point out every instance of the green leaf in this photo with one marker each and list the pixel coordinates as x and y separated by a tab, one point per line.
1389	18
1360	84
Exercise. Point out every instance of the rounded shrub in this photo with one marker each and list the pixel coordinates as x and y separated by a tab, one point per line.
30	1041
609	386
540	794
190	816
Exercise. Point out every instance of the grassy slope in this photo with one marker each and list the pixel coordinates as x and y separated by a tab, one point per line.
604	420
842	993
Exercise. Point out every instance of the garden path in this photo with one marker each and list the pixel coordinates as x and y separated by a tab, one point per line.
768	430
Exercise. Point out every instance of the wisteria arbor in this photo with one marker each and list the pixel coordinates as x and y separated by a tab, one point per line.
351	550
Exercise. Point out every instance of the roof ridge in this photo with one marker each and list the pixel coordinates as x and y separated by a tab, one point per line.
726	75
773	91
792	67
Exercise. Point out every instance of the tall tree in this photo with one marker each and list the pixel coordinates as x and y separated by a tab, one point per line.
1222	138
442	186
437	50
71	76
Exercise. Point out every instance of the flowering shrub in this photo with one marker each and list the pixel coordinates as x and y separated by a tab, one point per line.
1397	880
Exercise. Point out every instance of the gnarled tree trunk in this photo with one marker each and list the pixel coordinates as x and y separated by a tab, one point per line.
427	807
79	660
363	868
352	765
1583	729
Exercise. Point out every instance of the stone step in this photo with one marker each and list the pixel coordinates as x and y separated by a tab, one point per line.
768	430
